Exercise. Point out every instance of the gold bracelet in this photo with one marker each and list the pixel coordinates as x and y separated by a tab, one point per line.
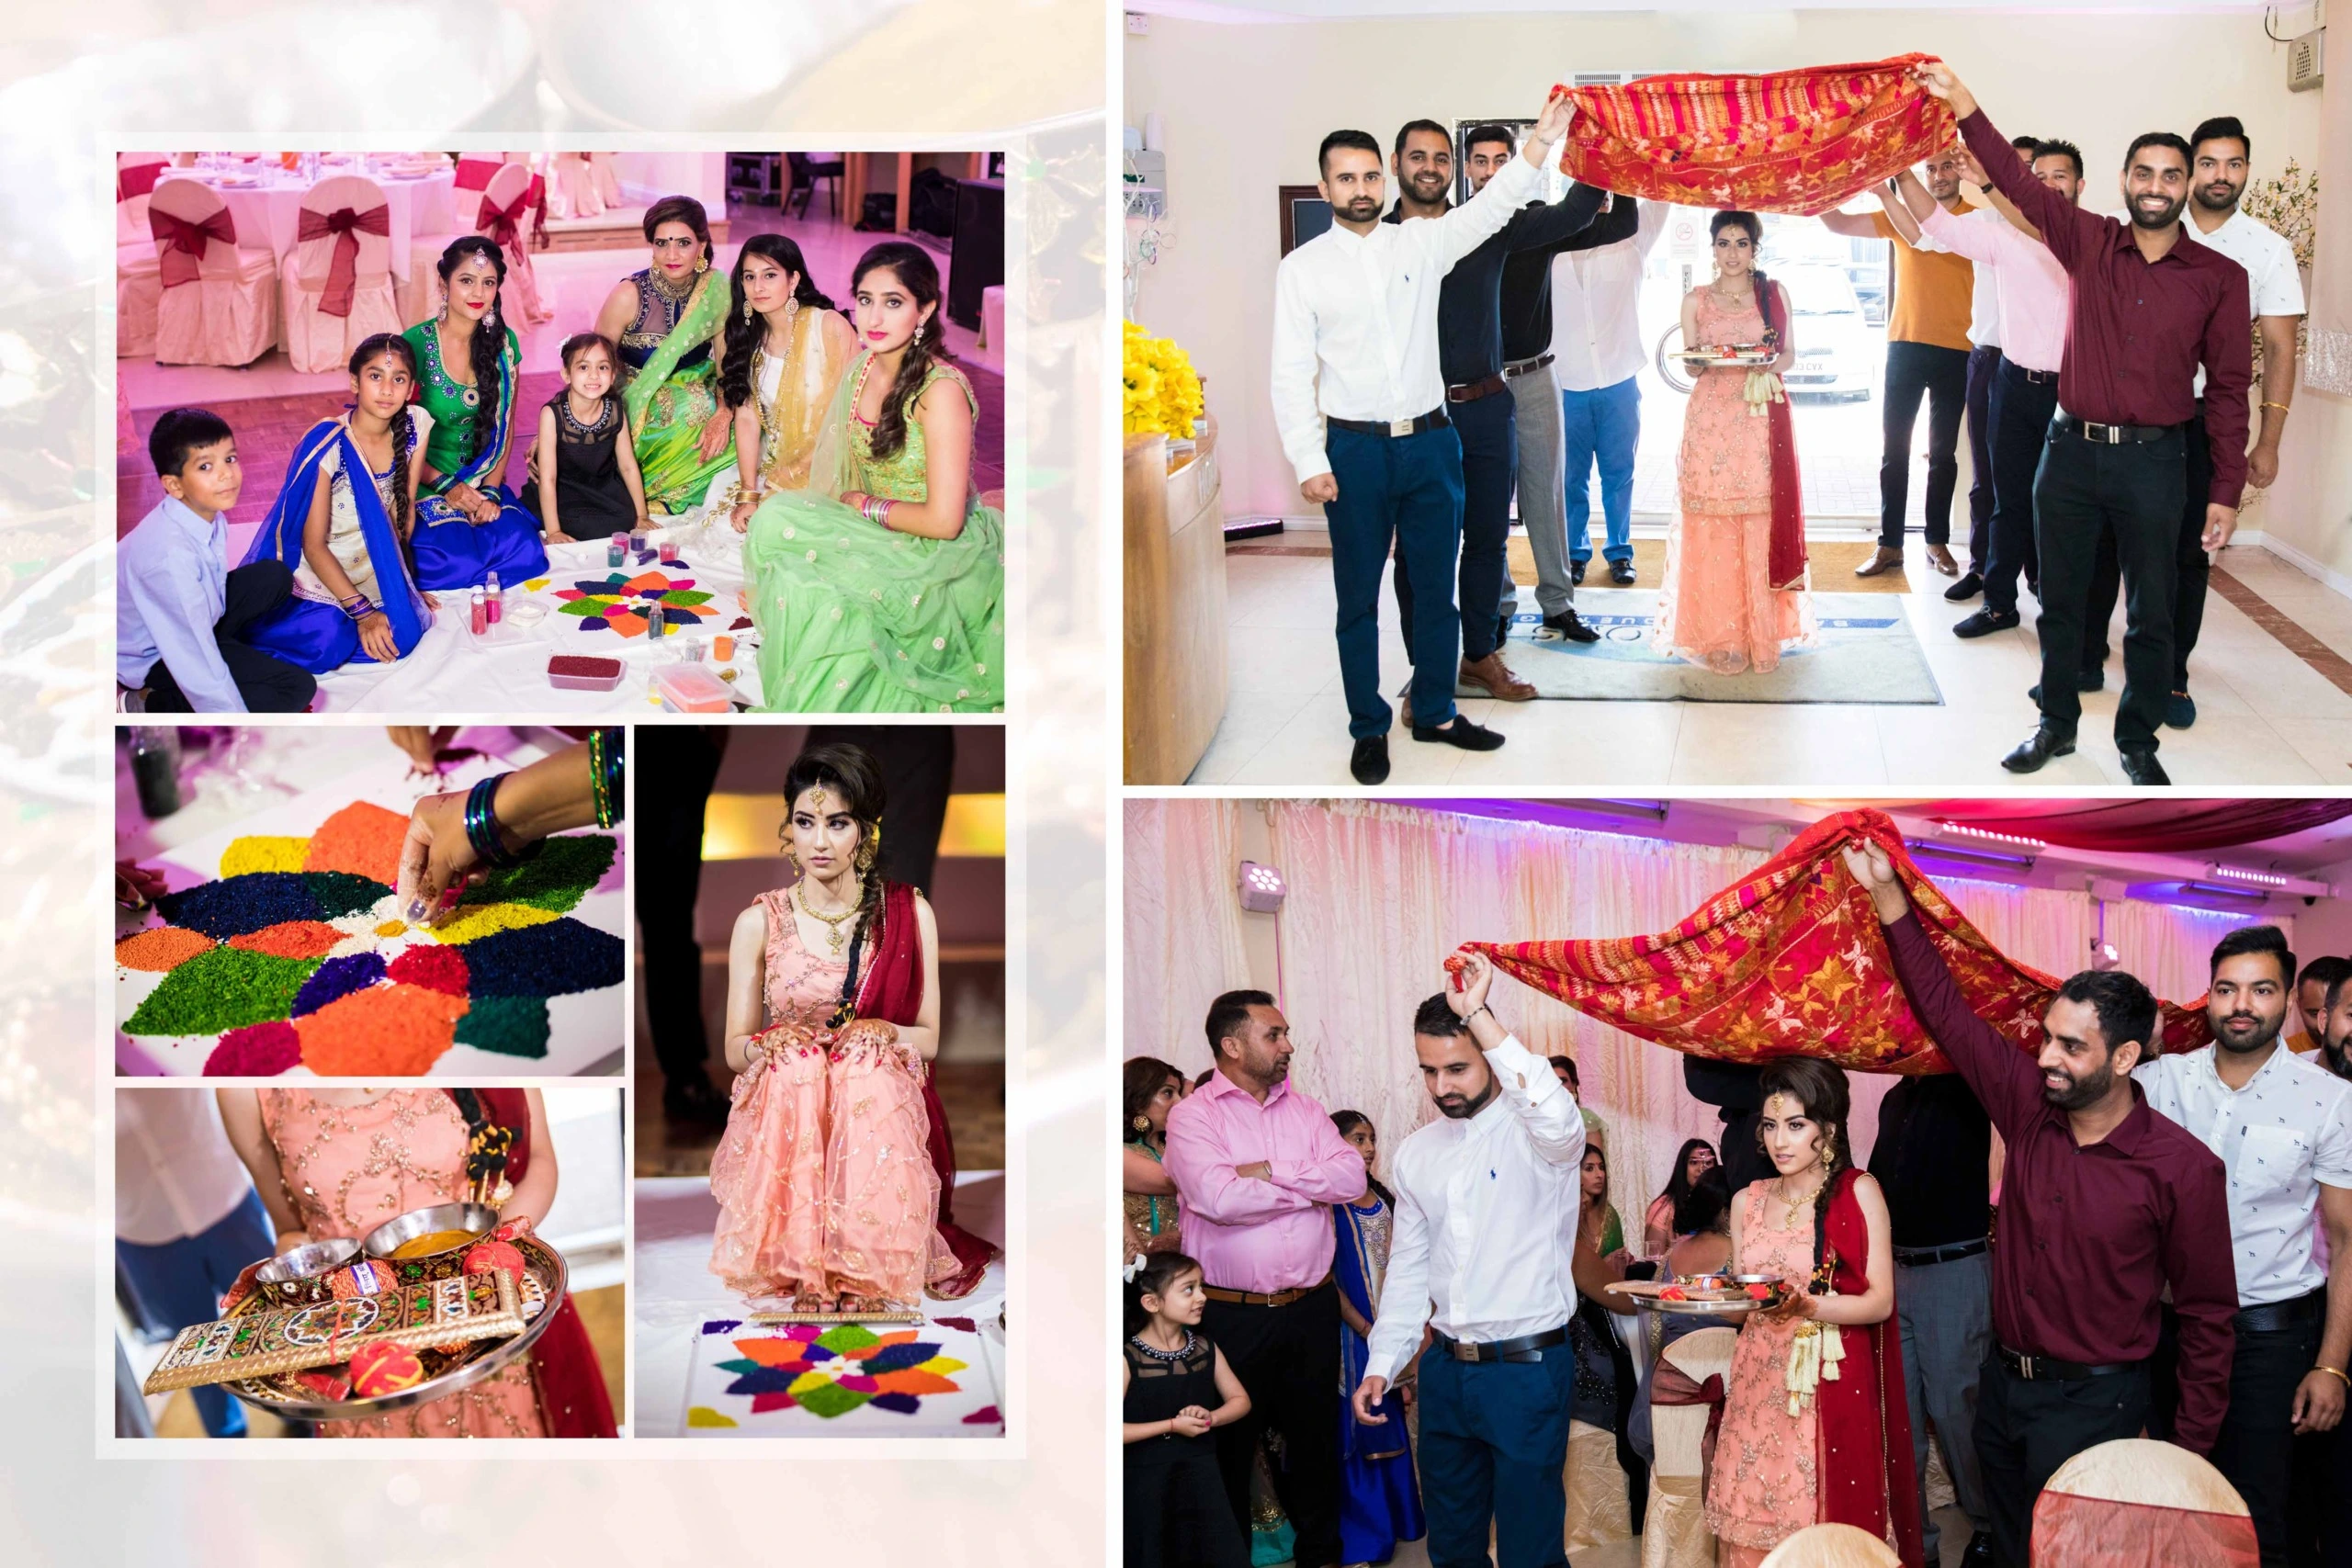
2335	1372
2282	408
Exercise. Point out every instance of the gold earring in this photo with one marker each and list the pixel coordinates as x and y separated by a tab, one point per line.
702	264
747	308
1142	1123
793	856
868	850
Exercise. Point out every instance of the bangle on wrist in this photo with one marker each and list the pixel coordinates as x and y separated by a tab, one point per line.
483	829
2335	1372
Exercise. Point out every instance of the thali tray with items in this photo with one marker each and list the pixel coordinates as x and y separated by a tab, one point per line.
1716	1295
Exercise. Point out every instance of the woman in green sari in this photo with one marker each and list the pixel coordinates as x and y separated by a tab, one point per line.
880	587
664	317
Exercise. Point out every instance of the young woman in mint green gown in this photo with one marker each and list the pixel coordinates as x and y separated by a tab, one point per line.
880	588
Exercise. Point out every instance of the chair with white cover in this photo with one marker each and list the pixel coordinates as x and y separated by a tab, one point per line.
1833	1546
1686	1395
503	215
338	278
138	283
220	301
573	190
608	180
2137	1501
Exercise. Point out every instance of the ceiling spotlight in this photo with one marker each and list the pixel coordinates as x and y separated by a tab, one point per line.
2261	878
2104	956
1262	889
1989	836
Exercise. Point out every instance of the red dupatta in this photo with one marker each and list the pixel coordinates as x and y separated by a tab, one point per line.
1864	1426
1786	560
573	1400
892	992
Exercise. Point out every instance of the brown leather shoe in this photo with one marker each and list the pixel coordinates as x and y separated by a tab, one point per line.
1881	560
1494	675
1940	558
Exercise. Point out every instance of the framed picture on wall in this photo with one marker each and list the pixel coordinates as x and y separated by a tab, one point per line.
1305	215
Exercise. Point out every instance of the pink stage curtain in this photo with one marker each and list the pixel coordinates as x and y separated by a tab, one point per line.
1182	928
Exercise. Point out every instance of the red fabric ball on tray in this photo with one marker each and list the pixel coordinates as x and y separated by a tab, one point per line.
384	1366
488	1255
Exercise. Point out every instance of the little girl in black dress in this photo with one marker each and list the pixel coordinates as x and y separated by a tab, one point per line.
591	489
1178	1392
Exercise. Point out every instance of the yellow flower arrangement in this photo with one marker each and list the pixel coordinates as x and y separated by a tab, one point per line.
1160	390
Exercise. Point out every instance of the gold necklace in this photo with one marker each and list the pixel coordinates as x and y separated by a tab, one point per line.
833	924
1789	1220
661	285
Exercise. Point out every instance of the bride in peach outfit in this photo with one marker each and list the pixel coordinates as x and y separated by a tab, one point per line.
829	1177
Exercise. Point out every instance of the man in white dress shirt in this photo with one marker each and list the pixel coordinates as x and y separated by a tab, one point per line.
1597	358
1360	400
2283	1128
1485	1198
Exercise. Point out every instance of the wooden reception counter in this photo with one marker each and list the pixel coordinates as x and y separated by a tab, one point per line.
1175	610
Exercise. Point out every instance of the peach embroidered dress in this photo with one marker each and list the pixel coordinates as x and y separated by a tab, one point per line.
1764	1487
824	1180
1718	606
350	1168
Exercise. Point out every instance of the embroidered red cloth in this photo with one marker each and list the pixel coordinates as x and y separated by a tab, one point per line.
1862	1433
1790	961
1795	142
573	1400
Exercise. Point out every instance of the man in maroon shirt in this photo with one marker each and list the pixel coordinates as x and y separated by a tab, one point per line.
2104	1203
2150	306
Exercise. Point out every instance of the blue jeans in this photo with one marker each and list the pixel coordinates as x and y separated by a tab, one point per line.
1604	426
178	1283
1494	1442
1486	430
1405	489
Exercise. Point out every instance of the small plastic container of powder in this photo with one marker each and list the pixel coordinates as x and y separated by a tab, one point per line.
583	672
690	688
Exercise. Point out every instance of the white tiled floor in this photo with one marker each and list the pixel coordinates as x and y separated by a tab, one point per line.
2264	716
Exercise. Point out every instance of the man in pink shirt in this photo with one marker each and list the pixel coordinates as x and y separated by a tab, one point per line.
2034	295
1257	1167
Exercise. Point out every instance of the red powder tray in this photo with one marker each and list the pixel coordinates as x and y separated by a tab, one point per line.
583	672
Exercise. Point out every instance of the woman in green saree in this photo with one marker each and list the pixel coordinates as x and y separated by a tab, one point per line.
880	587
664	317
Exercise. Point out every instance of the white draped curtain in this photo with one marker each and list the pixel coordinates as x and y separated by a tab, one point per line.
1182	937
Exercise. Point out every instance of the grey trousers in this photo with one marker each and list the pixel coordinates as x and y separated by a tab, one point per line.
1946	1310
1541	509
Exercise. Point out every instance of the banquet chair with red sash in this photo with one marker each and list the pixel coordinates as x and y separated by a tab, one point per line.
1833	1546
2134	1501
138	283
503	214
1686	1395
220	301
338	278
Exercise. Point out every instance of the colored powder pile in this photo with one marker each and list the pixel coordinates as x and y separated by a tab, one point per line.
566	867
236	905
473	921
435	968
253	853
340	892
258	1050
549	959
295	939
361	839
391	928
337	978
222	988
384	1030
163	948
512	1026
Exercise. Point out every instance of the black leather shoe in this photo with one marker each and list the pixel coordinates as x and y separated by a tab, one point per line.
1462	733
1967	587
693	1100
1988	621
2045	744
2140	765
1566	624
1576	572
1980	1550
1370	763
1621	572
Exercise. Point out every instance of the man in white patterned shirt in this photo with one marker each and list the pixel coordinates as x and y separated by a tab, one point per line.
2283	1128
1360	400
1481	1257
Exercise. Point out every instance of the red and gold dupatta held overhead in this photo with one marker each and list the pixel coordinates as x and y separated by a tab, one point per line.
1790	961
1797	141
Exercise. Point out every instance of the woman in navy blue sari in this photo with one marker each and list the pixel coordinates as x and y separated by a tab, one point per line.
1380	1503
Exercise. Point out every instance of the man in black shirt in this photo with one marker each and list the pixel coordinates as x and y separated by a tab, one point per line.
1933	1160
1470	353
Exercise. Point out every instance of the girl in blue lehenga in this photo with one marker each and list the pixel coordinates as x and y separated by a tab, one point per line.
345	541
467	523
1380	1503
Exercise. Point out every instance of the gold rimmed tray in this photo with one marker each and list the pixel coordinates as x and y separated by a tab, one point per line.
1645	1294
1751	358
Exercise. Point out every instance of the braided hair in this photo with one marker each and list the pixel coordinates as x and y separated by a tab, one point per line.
746	331
403	428
919	275
851	772
484	354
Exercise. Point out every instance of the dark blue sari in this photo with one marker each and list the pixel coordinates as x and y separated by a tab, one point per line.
1380	1503
304	632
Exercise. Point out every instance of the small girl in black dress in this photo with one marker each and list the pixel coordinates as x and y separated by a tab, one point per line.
591	489
1178	1390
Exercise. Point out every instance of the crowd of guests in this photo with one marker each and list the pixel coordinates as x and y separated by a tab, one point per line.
696	395
1434	361
2173	1258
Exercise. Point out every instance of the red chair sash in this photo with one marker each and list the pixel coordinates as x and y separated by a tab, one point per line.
345	224
473	173
501	222
137	179
2100	1532
1670	1385
181	243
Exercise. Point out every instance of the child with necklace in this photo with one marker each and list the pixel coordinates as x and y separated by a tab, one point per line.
1176	1390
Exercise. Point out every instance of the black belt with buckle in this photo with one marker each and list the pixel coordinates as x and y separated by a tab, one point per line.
1436	419
1470	391
2049	1369
2113	434
2037	376
1526	1347
2272	1316
1527	366
1924	1256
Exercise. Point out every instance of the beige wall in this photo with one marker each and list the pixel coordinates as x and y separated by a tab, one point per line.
1244	107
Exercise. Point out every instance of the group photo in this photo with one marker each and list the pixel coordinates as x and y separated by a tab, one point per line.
1711	1182
1867	396
703	432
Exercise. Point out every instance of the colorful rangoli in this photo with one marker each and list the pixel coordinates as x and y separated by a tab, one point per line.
830	1372
619	603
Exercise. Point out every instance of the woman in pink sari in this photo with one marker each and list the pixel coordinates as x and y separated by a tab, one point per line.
833	1176
1735	592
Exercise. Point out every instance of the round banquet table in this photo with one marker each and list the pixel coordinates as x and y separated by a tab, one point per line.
270	212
